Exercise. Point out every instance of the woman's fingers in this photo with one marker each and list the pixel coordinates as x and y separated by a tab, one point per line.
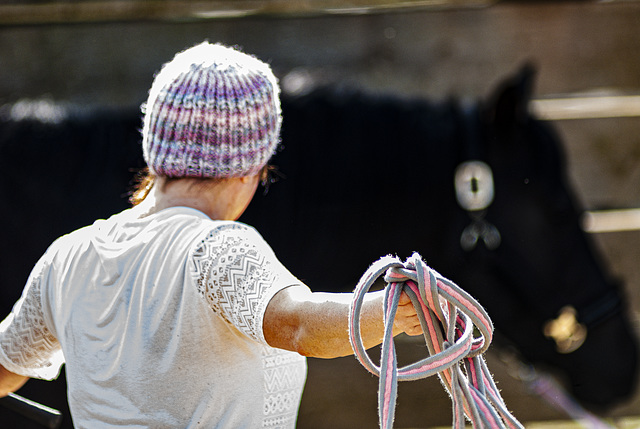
406	316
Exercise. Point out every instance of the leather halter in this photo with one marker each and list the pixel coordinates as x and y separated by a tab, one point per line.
475	191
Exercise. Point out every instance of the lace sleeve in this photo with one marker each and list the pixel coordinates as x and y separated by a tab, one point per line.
237	273
27	346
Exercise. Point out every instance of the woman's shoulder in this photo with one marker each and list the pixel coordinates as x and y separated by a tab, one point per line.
216	231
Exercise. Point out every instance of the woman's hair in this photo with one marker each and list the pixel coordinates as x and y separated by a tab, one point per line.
144	181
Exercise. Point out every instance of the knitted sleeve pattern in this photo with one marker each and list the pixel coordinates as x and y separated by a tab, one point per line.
27	346
237	273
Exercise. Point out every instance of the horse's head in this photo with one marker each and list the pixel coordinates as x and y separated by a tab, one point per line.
528	254
368	174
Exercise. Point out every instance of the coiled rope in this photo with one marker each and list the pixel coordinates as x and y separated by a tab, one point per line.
448	316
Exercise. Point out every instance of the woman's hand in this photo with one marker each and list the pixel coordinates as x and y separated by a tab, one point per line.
406	320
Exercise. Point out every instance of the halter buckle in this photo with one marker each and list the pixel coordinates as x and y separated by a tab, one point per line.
566	331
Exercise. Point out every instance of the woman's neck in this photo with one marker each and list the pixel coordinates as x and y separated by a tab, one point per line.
222	199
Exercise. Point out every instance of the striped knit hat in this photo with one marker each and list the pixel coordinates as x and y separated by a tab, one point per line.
212	112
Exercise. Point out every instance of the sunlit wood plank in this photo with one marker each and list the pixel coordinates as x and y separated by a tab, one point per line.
67	12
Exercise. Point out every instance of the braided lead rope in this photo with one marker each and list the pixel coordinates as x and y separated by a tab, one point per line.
448	316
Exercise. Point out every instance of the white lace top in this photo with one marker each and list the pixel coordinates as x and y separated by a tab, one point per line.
159	321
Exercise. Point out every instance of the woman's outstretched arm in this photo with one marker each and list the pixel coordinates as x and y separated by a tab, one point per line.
315	324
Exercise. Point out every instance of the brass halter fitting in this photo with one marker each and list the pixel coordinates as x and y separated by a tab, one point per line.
566	331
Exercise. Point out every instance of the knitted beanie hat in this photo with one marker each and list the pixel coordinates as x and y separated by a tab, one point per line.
212	112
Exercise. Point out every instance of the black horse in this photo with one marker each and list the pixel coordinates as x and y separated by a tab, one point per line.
364	175
367	175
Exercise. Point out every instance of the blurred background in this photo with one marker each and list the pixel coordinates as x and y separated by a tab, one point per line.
105	53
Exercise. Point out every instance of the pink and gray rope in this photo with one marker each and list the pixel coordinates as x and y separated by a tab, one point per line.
448	316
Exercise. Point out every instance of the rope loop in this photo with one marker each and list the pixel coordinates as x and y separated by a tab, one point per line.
449	317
